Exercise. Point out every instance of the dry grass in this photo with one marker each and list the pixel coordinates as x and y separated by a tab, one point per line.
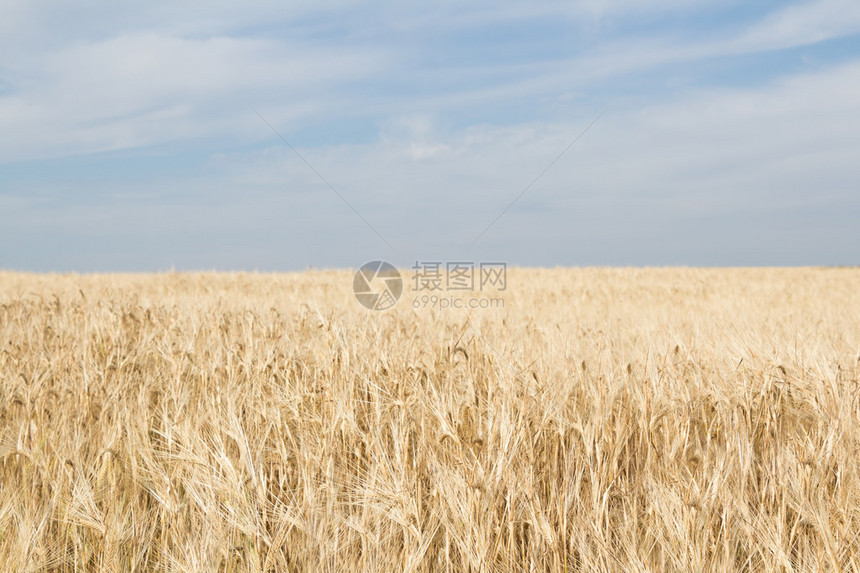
604	420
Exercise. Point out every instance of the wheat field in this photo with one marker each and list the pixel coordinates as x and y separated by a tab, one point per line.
603	420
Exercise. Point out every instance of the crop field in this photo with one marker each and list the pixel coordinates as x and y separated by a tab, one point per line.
600	420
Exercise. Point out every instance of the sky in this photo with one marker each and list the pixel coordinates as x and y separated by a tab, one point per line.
283	136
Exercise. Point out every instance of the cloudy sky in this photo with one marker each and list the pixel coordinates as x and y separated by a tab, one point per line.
140	139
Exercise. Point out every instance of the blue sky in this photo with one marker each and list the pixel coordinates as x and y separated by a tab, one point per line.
130	140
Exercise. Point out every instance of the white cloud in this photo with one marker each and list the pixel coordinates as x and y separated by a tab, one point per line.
115	80
788	146
145	89
801	24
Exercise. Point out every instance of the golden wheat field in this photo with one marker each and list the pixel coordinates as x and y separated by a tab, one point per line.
603	420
